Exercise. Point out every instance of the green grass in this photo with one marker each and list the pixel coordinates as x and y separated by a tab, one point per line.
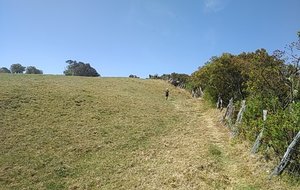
61	132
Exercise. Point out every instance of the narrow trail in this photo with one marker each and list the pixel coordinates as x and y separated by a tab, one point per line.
203	155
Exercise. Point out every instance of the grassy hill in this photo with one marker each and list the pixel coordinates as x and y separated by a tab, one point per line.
61	132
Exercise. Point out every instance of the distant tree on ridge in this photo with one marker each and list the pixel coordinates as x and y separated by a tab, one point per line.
133	76
75	68
4	70
33	70
17	68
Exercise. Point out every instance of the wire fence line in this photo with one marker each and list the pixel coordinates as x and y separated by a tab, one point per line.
290	161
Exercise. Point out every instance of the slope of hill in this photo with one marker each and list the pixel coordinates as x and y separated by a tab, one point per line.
61	132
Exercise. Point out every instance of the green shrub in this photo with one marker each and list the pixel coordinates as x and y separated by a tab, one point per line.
280	127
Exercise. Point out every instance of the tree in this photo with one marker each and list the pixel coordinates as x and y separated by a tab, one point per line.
17	68
4	70
154	76
222	76
181	77
80	69
133	76
33	70
266	80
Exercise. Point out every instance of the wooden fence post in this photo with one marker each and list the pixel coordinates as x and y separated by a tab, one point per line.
229	110
241	112
201	93
258	138
229	113
239	118
220	103
197	92
286	157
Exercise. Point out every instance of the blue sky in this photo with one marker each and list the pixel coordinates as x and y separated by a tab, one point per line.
141	37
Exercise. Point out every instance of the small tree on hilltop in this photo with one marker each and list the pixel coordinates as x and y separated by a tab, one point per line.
133	76
33	70
4	70
17	68
80	69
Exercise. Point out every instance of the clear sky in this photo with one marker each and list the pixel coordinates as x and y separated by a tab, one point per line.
141	37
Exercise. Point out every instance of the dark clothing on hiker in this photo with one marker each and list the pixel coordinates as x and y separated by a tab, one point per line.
167	94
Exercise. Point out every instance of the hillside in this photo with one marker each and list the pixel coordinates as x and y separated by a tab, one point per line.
61	132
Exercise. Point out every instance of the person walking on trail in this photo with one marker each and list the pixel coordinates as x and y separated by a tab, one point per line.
167	94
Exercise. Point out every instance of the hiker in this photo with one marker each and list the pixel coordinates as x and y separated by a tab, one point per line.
167	94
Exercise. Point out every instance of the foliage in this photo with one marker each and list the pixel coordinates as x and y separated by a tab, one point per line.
17	68
273	85
133	76
181	77
154	76
4	70
281	128
256	73
222	76
266	77
175	78
75	68
165	77
33	70
252	118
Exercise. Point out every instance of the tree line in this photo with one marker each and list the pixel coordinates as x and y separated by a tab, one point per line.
18	68
174	78
74	68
